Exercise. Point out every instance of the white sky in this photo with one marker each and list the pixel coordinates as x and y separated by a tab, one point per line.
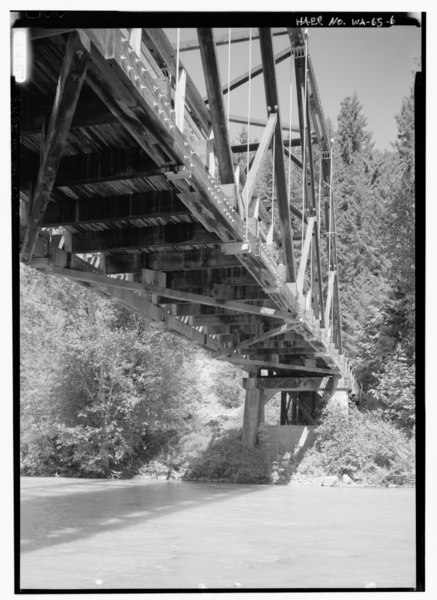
376	63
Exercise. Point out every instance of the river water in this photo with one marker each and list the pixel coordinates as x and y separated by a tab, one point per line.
148	534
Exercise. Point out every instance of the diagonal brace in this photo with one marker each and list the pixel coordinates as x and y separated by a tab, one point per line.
213	88
305	253
283	329
71	78
272	100
145	288
249	186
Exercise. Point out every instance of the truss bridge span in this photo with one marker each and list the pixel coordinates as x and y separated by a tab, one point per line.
129	185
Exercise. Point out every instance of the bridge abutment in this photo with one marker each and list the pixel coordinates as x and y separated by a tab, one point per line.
300	398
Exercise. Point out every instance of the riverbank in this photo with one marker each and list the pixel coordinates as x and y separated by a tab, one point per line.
162	473
223	458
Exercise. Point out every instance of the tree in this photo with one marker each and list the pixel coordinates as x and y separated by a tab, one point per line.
398	225
98	390
353	139
396	391
376	258
358	207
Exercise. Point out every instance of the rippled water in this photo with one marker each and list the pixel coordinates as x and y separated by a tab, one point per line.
94	534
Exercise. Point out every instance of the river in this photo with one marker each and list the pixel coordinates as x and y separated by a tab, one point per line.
148	534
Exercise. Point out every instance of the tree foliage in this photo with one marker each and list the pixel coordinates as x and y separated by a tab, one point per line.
352	137
396	391
363	445
375	225
97	389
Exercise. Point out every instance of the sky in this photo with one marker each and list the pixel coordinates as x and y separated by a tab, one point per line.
376	63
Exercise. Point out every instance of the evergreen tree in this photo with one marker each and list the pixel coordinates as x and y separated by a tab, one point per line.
352	137
386	344
358	208
398	231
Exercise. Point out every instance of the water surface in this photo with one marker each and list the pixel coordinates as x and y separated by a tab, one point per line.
98	534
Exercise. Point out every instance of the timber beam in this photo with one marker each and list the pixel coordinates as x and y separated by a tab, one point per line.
112	165
265	364
271	355
213	88
185	260
146	288
189	310
254	72
71	78
220	292
296	384
252	175
297	40
156	206
233	330
253	146
286	353
261	123
272	101
316	284
265	336
138	238
237	276
213	320
308	173
296	161
150	311
90	112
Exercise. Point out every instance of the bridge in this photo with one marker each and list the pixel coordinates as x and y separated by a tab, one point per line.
129	185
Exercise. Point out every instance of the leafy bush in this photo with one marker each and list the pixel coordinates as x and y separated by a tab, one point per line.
99	390
226	385
226	459
396	390
361	445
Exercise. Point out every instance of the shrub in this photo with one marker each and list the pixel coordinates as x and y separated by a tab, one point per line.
227	386
99	390
227	459
361	445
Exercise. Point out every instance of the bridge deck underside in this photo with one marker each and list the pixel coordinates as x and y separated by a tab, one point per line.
136	211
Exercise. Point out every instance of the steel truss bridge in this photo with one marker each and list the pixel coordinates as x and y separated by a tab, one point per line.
129	185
